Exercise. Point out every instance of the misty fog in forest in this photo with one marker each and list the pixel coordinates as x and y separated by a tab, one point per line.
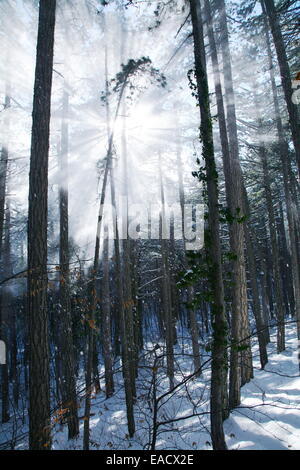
149	225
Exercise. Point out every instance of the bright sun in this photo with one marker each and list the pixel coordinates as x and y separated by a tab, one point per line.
142	123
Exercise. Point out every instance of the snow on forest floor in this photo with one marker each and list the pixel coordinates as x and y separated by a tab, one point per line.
273	423
268	418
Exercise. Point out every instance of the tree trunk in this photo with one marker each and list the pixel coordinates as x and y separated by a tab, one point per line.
91	319
6	320
10	310
3	316
3	167
126	329
138	309
68	382
106	324
257	312
174	290
126	323
129	304
219	324
166	287
190	290
39	386
285	262
275	252
289	199
240	320
269	9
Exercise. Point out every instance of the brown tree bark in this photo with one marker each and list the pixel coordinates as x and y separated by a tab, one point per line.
290	199
130	312
106	323
39	387
243	372
275	252
126	323
219	324
66	342
269	9
257	311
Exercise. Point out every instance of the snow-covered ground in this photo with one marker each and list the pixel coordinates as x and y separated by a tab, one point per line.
268	418
273	422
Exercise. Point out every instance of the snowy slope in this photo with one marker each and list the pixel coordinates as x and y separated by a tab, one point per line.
268	418
274	421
